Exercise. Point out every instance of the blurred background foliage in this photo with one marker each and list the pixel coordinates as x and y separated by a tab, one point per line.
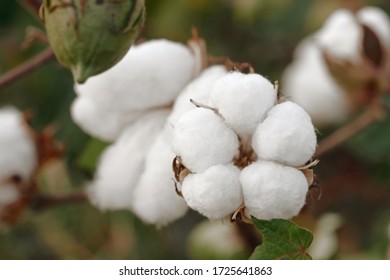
354	179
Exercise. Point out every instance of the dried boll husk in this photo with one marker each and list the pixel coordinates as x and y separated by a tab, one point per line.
89	36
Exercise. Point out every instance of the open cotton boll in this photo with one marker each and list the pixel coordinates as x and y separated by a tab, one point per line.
150	75
155	199
378	21
202	139
308	82
214	193
341	36
122	163
272	190
197	90
8	195
286	136
243	100
101	123
18	155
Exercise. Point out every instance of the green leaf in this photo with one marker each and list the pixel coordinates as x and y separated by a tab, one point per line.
90	156
282	240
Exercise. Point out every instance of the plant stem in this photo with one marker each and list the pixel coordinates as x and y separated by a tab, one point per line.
40	201
26	67
347	131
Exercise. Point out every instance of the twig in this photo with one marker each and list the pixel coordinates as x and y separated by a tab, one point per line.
40	201
344	133
26	67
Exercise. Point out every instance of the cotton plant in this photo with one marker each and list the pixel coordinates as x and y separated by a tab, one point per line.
341	67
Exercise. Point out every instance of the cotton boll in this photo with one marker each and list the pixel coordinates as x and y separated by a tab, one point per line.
151	74
215	193
243	100
202	139
378	21
341	36
273	191
308	82
198	90
18	151
155	198
102	124
285	136
122	163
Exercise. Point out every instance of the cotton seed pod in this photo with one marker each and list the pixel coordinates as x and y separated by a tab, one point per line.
214	193
89	36
286	136
201	139
272	190
18	155
155	199
122	164
243	100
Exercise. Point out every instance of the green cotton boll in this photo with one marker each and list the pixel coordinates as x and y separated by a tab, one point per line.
90	36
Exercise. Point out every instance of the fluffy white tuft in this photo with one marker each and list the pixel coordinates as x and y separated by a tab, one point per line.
215	193
273	190
202	139
286	136
243	100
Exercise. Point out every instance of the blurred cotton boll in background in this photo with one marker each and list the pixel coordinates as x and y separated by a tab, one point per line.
18	160
333	68
151	75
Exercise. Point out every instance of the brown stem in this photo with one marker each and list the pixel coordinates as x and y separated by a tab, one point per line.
344	133
26	67
249	235
40	201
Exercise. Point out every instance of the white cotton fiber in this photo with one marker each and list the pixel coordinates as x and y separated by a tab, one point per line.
197	90
243	100
214	193
378	21
151	74
341	36
155	199
122	163
18	155
273	191
202	139
286	136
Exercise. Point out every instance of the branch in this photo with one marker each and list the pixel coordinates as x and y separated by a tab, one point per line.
344	133
26	67
40	201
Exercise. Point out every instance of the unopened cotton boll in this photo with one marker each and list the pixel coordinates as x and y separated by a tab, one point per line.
308	82
243	100
214	193
197	90
286	136
155	199
18	155
202	139
272	190
122	163
341	36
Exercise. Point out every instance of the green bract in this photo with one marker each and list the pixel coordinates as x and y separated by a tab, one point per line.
90	36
